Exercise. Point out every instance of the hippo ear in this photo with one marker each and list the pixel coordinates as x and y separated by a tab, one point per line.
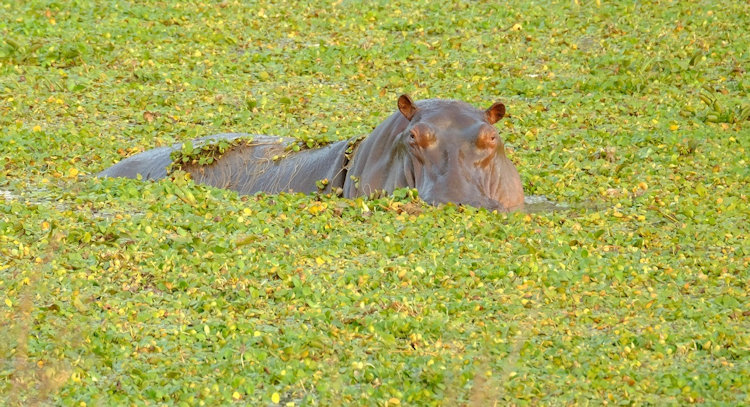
495	112
406	106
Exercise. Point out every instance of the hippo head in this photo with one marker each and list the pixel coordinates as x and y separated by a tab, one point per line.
457	154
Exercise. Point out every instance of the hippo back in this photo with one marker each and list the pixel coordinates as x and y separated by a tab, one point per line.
264	164
153	164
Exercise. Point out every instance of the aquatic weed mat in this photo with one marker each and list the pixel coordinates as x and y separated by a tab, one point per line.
126	292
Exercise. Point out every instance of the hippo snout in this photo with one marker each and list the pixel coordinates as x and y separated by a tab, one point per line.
443	191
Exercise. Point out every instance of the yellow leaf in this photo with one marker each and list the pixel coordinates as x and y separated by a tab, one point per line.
316	209
275	398
80	306
394	402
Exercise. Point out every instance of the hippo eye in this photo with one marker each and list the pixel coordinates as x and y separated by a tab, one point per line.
420	137
487	139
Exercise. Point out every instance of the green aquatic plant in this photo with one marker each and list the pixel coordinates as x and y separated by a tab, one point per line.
627	285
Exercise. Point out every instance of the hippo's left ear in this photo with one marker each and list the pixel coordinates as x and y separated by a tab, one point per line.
406	106
495	112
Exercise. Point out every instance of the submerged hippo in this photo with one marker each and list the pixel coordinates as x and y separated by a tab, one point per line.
446	149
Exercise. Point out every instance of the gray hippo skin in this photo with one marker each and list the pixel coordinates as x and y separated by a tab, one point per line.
446	149
245	168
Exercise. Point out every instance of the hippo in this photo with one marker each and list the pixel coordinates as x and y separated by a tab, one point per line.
447	149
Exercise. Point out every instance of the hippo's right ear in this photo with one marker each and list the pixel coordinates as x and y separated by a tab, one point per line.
406	106
495	112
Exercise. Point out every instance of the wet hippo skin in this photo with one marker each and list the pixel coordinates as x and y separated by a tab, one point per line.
447	149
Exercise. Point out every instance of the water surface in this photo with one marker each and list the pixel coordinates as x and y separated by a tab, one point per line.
540	203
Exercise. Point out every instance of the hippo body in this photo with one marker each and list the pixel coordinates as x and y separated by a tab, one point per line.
446	149
246	168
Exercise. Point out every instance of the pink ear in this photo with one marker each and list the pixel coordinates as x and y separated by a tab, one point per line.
406	106
495	112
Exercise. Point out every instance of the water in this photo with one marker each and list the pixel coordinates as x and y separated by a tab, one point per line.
7	195
532	203
540	203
